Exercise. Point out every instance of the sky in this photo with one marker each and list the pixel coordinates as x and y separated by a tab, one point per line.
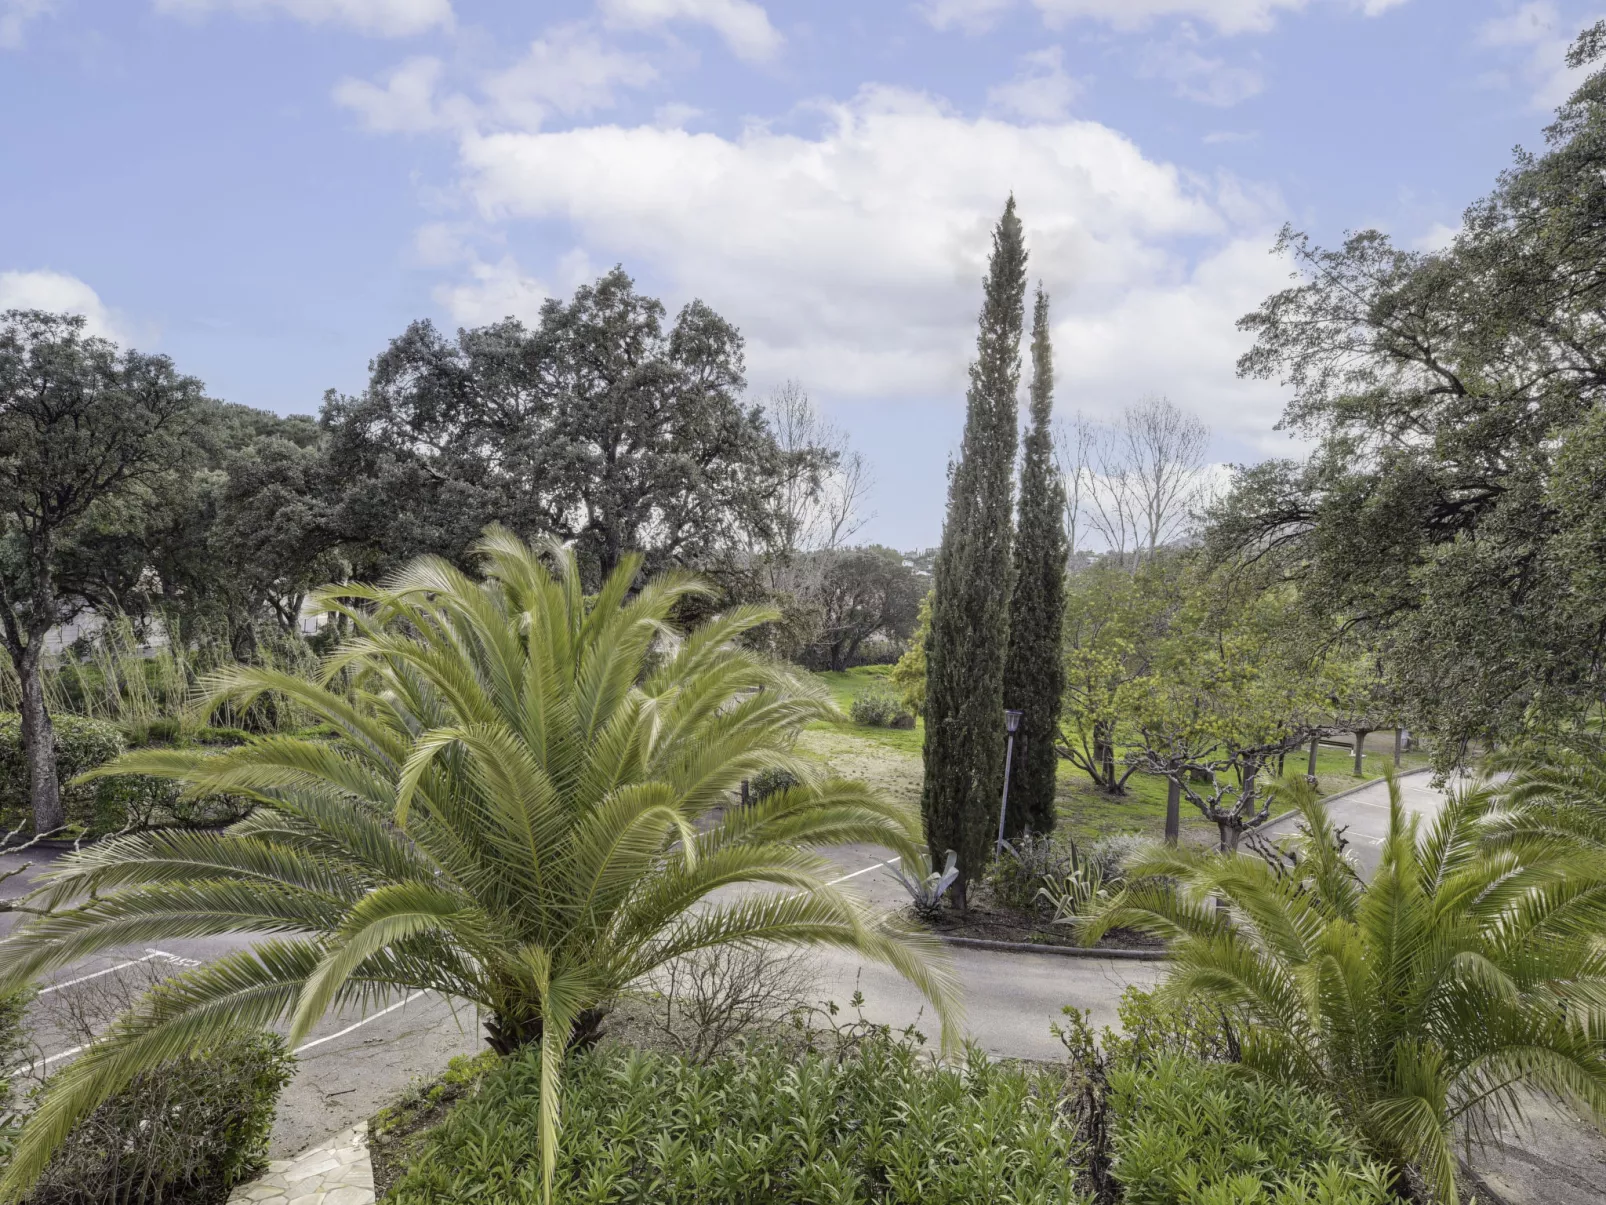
270	190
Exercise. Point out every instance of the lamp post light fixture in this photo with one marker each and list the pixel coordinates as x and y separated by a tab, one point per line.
1011	726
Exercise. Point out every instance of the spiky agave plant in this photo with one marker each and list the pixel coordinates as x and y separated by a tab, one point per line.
522	808
1422	1003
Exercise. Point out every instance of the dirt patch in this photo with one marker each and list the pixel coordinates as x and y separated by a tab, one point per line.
991	923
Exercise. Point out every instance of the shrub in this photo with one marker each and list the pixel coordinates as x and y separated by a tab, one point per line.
183	1133
767	782
1022	868
883	1125
81	744
1189	1133
877	706
13	1041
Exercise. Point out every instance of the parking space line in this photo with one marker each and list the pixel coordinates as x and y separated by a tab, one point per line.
392	1008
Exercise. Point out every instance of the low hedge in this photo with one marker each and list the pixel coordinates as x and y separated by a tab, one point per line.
108	804
1191	1133
184	1133
764	1125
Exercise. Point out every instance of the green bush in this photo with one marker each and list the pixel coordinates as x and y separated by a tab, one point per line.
766	782
1190	1133
877	706
182	1134
81	745
108	804
883	1124
13	1042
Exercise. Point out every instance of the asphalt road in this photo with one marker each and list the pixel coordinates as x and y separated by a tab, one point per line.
1363	814
351	1065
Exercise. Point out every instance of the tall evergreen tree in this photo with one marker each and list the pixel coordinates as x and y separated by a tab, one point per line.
1034	673
969	635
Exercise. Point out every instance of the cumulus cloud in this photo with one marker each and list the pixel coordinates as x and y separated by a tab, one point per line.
852	257
15	16
1041	91
59	293
1227	16
381	18
568	71
744	25
1195	75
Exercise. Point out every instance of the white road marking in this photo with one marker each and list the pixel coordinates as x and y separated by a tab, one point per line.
392	1008
857	873
132	962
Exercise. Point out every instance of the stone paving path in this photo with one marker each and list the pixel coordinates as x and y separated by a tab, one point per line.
336	1172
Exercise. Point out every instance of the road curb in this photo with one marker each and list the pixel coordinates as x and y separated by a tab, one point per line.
1325	800
1030	947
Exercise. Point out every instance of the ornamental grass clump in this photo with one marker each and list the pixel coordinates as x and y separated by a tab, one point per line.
521	803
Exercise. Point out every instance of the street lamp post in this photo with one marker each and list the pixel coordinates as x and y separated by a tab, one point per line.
1011	725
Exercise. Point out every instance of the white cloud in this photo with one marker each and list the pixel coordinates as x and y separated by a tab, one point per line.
973	16
404	104
14	18
59	293
745	26
1228	16
1539	28
1195	75
1436	237
851	258
491	292
383	18
1042	91
567	71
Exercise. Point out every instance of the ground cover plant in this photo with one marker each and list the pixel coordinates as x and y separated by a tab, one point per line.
523	807
882	1124
1422	1003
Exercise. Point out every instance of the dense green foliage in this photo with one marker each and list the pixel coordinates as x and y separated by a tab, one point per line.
1451	510
81	745
86	431
877	706
1189	1133
968	637
521	805
1466	972
602	425
762	1126
182	1133
1034	674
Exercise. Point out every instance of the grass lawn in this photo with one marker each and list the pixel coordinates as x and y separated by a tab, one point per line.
889	759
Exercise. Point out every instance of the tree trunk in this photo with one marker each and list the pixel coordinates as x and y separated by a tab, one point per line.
506	1035
1399	742
1360	751
39	745
1310	770
1173	811
1229	836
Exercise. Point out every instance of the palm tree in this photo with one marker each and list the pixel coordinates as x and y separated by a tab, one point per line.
522	806
1424	1002
1555	792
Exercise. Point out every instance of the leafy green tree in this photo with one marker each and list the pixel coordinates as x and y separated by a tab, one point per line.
1115	619
1425	1002
1230	692
88	435
600	426
1441	388
863	591
523	806
909	674
1034	674
969	634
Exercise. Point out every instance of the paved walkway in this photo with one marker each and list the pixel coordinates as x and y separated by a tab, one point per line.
336	1172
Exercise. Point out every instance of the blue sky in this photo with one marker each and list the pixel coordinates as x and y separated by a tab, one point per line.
269	190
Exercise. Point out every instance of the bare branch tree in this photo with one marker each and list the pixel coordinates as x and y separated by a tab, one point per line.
1164	453
823	492
1133	484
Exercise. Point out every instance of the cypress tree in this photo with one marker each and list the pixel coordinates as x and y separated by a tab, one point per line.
969	633
1034	674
